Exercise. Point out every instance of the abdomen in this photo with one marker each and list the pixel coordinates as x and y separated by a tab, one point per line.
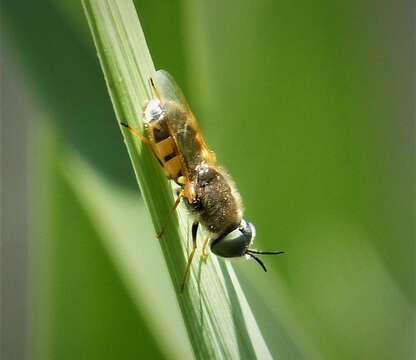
165	148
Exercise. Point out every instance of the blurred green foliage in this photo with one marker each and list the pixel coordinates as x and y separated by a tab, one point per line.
85	309
309	107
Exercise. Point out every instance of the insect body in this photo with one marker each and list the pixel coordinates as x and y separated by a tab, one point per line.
208	191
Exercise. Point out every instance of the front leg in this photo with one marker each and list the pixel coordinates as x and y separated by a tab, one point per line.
205	252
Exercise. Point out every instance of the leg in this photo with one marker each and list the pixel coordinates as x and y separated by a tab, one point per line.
145	140
137	134
191	255
204	249
165	225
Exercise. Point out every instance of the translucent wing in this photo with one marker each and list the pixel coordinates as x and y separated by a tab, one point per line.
182	123
167	89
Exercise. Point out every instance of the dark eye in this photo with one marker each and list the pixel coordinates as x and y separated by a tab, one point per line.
236	242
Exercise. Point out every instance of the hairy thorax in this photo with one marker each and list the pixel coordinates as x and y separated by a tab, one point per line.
216	204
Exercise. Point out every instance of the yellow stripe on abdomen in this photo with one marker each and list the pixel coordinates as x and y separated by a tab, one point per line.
173	167
165	148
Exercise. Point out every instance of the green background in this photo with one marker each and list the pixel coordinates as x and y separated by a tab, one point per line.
307	104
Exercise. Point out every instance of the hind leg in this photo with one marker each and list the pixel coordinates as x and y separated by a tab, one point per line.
138	134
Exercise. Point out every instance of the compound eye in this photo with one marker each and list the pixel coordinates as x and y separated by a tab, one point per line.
236	242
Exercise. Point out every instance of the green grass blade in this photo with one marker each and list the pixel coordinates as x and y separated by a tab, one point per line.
82	305
218	319
124	228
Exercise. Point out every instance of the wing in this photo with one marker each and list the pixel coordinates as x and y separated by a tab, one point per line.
167	89
181	121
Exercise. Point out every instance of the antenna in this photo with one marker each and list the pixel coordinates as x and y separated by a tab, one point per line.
258	261
265	252
251	253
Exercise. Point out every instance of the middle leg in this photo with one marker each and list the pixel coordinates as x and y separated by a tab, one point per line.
172	211
191	255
